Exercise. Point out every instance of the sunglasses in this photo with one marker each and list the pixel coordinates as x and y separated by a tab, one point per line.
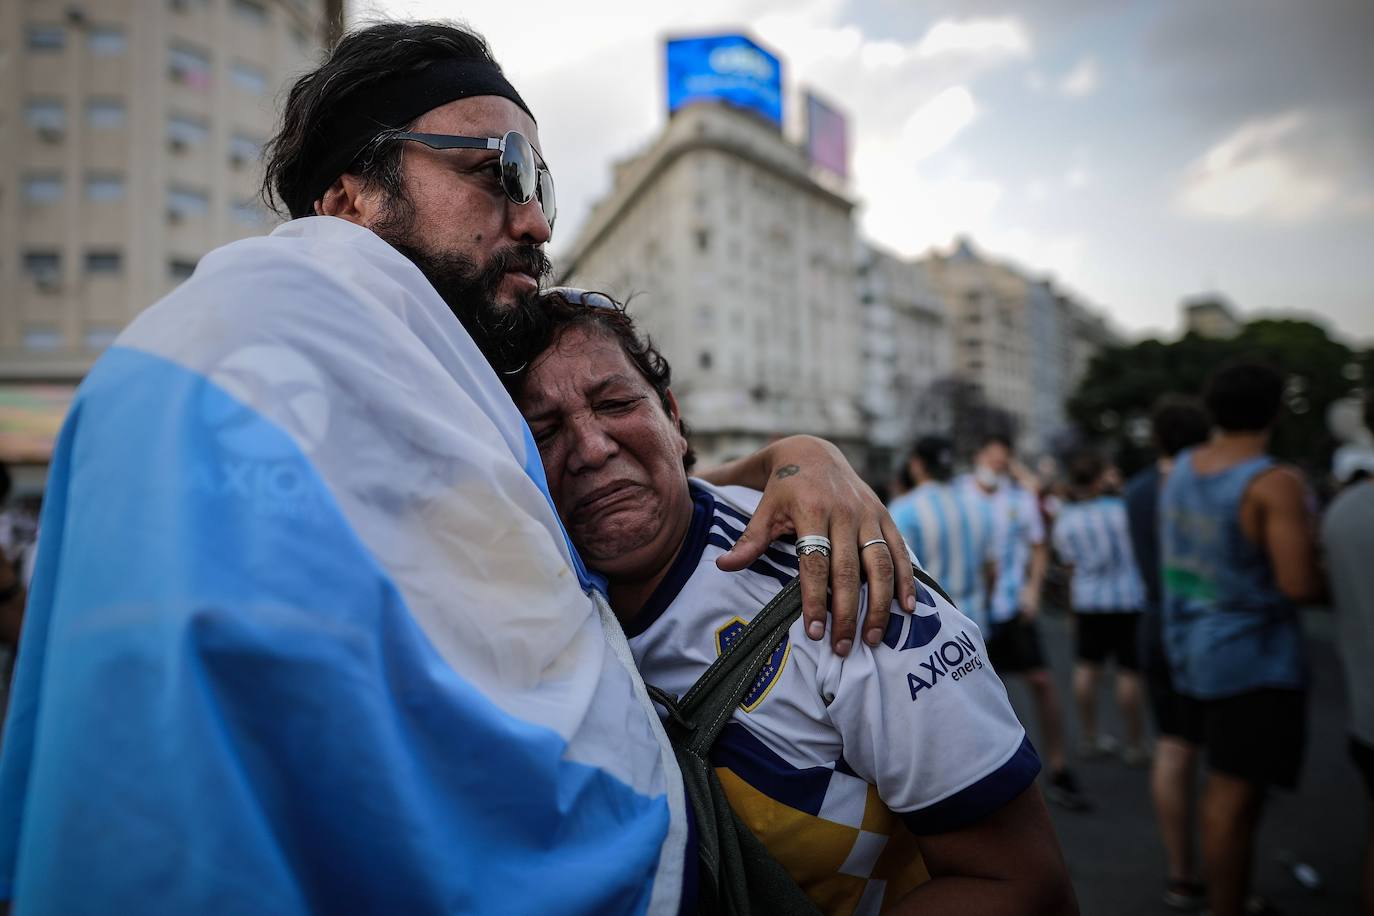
525	176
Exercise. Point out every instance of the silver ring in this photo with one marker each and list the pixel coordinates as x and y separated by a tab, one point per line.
867	544
813	543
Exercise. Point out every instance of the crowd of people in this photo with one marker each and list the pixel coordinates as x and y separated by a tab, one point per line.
1189	578
375	577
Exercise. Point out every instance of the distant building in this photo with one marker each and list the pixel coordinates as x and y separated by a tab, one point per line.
907	354
1210	316
742	267
1022	341
130	148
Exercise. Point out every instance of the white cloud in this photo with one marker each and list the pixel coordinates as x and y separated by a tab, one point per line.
1255	174
1082	80
1001	36
934	125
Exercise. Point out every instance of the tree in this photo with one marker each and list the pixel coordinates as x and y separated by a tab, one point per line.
1113	401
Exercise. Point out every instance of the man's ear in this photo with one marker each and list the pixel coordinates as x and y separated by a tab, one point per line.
348	198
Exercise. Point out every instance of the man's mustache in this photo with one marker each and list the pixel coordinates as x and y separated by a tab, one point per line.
526	259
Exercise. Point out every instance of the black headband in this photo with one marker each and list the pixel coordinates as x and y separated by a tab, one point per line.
392	103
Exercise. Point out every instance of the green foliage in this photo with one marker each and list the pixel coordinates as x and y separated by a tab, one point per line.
1113	401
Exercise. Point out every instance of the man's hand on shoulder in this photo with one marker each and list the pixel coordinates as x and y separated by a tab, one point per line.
809	489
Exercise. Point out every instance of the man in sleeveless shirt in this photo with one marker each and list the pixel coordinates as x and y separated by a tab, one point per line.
1238	558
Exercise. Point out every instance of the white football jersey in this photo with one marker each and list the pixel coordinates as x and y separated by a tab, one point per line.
837	764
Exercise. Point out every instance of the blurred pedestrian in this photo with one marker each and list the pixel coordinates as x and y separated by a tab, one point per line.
948	529
1176	423
1347	534
1238	555
309	635
1091	536
1021	554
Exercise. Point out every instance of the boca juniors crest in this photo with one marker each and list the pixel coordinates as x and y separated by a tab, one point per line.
768	675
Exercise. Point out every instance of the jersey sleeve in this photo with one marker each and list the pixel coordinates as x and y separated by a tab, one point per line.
925	719
1060	540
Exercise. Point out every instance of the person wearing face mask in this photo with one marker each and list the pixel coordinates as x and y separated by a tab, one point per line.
1014	644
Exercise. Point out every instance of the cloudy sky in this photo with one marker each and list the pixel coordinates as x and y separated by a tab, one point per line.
1139	152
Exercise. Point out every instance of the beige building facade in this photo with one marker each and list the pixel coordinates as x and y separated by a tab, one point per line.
130	136
741	265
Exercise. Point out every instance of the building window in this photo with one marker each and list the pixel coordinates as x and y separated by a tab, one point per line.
251	12
46	38
47	117
184	132
180	269
44	268
704	360
106	41
188	67
43	189
187	6
249	78
248	213
703	237
42	338
104	263
186	203
104	188
244	150
105	114
100	336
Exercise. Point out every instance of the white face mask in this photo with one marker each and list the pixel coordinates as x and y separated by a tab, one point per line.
987	478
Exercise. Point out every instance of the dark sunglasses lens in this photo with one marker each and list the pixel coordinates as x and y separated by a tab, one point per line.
547	201
519	175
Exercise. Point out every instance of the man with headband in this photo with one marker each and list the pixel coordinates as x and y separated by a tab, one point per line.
305	632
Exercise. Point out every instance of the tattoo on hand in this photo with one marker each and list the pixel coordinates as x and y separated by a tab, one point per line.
787	471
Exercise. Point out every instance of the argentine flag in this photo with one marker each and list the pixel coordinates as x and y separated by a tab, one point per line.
305	633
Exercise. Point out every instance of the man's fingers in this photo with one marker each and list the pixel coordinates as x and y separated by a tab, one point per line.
877	562
815	573
844	584
750	545
903	574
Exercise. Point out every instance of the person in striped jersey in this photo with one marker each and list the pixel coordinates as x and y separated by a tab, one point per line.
892	779
948	528
1022	549
1092	536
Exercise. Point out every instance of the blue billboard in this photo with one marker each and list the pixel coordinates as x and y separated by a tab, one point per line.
727	68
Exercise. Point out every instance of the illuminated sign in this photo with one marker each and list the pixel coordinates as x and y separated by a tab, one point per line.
727	68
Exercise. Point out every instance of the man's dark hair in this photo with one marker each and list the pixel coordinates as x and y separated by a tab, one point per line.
936	454
1179	422
361	58
561	314
1001	439
1085	468
1244	396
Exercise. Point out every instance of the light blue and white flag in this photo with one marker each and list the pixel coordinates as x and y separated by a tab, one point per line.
306	634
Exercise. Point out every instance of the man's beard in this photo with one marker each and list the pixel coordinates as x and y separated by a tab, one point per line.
505	333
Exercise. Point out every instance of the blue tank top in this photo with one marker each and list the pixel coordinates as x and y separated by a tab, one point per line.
1227	627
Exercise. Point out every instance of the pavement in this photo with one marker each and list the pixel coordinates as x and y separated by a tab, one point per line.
1114	853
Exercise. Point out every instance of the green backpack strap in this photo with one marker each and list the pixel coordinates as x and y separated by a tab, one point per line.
739	876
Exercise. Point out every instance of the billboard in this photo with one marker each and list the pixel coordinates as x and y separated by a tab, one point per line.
727	68
827	136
